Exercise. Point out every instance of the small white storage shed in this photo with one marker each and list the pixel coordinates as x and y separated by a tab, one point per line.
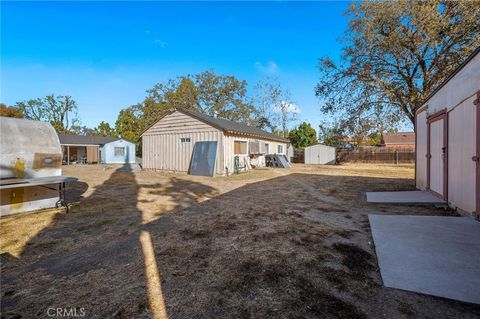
320	154
448	139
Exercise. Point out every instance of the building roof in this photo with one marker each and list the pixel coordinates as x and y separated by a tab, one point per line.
231	127
398	138
85	140
458	69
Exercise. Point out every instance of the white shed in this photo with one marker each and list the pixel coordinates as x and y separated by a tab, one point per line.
320	154
448	139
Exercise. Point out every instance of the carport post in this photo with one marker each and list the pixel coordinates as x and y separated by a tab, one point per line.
68	154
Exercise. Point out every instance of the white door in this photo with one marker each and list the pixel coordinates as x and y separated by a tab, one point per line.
437	156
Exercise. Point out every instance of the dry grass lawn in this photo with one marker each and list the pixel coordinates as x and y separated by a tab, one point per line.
269	243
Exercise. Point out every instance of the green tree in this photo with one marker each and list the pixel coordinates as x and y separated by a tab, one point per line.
128	124
395	53
104	129
10	111
375	139
61	111
221	95
82	130
332	135
303	136
224	96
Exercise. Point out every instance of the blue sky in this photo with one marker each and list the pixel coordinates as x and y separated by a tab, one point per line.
107	54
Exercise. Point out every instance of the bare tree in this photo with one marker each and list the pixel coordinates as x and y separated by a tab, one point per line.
395	53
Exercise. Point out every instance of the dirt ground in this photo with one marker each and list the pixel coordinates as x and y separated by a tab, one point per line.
272	243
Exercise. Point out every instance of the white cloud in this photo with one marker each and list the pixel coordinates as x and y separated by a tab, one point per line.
289	107
269	68
160	43
147	31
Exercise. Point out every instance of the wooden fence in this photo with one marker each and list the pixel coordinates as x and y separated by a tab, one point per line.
377	155
298	155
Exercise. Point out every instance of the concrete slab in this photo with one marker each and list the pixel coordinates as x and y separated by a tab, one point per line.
407	197
433	255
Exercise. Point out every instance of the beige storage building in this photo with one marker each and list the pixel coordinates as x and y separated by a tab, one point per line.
168	144
448	139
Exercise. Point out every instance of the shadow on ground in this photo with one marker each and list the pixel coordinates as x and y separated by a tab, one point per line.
294	246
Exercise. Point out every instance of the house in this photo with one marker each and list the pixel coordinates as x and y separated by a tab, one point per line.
78	149
169	143
448	139
400	139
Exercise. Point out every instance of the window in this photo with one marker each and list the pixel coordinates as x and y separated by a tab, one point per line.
280	149
185	140
254	147
119	151
240	147
267	148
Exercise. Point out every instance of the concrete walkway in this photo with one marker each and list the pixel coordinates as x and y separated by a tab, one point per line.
433	255
407	197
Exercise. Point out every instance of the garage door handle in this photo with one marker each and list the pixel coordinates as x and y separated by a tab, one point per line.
476	159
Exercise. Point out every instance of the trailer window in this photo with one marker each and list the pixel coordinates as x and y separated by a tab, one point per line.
119	151
185	140
240	148
280	149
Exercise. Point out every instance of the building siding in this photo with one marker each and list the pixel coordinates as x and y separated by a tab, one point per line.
421	145
162	148
462	86
456	97
461	148
229	141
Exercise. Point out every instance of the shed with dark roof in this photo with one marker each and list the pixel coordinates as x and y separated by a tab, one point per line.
168	144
